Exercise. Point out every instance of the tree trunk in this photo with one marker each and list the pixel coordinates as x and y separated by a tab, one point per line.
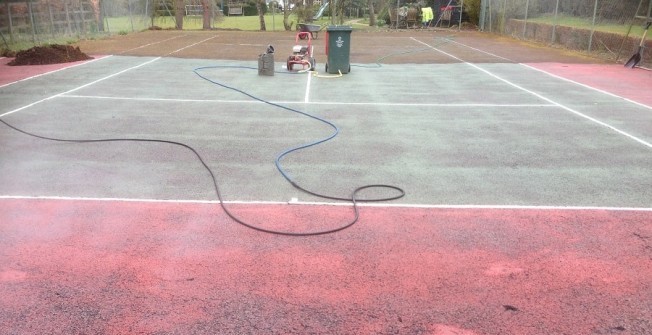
178	13
100	19
207	10
340	11
372	14
261	14
286	14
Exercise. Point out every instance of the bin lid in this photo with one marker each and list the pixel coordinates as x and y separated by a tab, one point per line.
339	28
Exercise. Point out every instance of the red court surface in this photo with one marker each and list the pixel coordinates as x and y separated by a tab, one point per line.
115	267
106	266
10	74
632	84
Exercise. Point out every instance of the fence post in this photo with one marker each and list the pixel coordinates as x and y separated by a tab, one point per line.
483	12
527	7
503	23
554	23
595	13
51	19
491	29
31	20
11	25
131	18
82	16
459	27
100	16
65	6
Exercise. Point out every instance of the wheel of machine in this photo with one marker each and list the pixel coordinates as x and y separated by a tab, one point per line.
349	68
289	63
326	68
313	63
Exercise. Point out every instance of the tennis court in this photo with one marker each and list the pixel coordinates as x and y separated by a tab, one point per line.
525	170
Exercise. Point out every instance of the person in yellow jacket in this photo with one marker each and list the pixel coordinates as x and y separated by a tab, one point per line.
426	16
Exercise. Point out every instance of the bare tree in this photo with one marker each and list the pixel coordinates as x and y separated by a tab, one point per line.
178	13
261	14
207	6
286	15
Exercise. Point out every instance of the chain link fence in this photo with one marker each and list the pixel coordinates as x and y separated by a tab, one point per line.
605	28
34	22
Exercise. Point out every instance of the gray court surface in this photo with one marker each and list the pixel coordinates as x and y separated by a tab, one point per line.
492	134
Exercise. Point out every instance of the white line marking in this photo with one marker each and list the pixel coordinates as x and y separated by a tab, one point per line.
589	87
556	76
632	137
482	51
190	46
57	70
80	87
294	201
244	44
306	99
149	44
74	96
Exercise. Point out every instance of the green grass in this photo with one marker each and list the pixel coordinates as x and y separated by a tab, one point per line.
586	23
273	22
252	23
131	24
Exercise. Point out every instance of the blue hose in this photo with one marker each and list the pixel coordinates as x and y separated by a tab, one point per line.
354	196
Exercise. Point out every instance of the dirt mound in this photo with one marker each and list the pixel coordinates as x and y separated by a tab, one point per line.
50	54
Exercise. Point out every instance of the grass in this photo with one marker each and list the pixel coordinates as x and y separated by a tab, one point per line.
251	23
586	23
273	22
130	24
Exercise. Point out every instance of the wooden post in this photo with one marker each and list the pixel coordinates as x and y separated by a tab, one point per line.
554	25
131	17
65	7
595	13
31	21
527	7
82	17
11	26
100	16
51	19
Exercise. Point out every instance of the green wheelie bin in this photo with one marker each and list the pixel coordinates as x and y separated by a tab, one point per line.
338	49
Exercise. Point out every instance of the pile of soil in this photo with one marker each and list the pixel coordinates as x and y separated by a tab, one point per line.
50	54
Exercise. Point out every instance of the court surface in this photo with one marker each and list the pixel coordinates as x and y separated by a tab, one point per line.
526	173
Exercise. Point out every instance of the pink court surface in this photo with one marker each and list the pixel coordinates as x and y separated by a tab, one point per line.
135	265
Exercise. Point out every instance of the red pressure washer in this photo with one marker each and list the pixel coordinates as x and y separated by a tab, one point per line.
302	54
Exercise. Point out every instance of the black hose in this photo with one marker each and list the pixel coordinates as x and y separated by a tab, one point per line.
353	198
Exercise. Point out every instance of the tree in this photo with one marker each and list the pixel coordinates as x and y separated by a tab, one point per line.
286	14
207	9
261	14
372	14
178	13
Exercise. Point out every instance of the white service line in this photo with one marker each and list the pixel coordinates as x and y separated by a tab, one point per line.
306	99
482	51
149	44
53	71
294	201
75	96
244	44
190	46
589	87
630	136
80	87
555	76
